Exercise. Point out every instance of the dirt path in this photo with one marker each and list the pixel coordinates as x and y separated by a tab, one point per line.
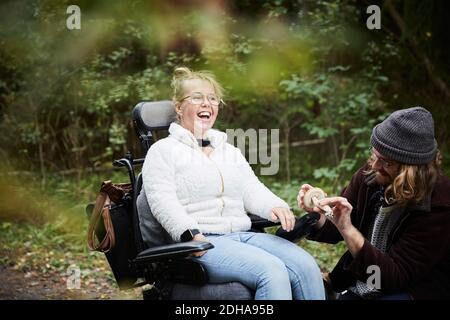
18	285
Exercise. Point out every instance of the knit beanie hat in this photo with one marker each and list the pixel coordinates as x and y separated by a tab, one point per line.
406	136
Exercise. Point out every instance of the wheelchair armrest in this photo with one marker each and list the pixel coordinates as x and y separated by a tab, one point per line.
259	223
303	227
171	251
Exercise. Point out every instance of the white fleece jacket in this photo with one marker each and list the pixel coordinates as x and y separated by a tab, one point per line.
187	189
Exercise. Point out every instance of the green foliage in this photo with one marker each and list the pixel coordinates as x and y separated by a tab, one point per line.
307	68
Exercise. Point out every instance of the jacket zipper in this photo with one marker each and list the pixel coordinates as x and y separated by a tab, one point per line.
222	187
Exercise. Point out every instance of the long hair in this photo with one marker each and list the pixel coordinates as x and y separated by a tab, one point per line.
413	183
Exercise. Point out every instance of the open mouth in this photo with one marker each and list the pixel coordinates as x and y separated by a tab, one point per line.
204	115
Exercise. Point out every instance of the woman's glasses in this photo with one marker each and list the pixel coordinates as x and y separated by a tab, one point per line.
198	98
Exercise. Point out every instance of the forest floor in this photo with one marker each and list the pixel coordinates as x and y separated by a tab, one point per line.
30	271
19	285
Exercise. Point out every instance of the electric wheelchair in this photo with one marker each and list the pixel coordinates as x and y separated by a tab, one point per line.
161	267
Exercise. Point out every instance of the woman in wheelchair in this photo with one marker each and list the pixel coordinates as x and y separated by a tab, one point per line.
199	188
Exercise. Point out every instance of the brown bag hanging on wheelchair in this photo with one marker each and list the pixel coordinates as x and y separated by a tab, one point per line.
100	224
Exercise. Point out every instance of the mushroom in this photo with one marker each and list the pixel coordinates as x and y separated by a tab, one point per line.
312	198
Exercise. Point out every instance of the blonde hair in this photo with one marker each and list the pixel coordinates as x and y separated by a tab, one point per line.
182	74
413	183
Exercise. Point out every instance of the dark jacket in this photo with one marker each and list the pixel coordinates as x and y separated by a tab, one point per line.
418	249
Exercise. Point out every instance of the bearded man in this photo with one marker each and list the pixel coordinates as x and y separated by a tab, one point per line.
394	216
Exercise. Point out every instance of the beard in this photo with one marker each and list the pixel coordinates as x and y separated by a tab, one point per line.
383	178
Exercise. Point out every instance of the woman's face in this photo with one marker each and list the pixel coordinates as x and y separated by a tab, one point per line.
198	111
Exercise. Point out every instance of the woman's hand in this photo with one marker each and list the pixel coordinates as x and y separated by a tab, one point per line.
285	216
202	238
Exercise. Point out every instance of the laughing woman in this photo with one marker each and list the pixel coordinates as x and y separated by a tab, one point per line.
199	188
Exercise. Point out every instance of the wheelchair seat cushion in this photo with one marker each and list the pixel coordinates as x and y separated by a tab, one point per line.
152	232
217	291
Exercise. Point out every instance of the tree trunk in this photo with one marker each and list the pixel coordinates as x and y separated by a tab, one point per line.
41	151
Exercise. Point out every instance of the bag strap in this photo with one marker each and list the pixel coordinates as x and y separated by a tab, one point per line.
101	213
115	191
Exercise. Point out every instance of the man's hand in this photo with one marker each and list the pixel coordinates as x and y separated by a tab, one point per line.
301	204
301	196
285	216
342	210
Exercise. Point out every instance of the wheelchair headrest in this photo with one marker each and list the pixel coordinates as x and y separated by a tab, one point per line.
156	115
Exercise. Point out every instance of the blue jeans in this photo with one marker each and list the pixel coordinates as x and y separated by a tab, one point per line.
274	268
